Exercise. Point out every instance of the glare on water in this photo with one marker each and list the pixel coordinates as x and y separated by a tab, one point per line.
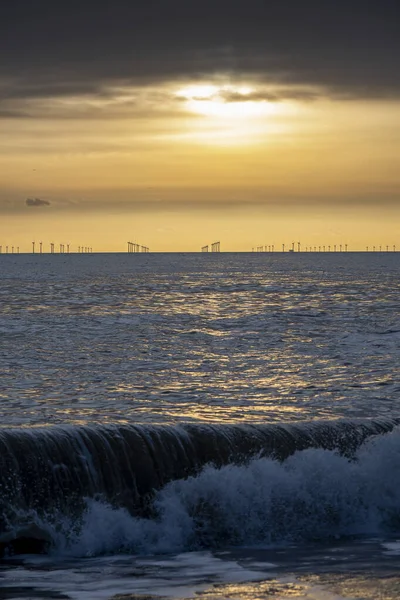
169	338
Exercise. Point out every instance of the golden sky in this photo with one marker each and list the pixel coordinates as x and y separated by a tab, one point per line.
179	164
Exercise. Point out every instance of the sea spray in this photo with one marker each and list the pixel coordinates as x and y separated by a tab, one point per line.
313	495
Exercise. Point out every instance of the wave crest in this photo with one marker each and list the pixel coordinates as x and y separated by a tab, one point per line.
313	495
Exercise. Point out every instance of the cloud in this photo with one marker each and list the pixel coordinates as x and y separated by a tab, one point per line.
278	95
106	101
36	202
348	46
232	201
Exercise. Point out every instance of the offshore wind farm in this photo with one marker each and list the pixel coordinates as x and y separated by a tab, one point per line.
134	247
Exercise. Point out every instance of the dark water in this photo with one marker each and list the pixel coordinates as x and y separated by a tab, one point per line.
217	338
174	421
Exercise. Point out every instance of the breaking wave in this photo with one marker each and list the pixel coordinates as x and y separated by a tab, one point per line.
332	484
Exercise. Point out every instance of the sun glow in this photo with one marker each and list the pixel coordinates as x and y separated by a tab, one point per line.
203	92
233	115
225	102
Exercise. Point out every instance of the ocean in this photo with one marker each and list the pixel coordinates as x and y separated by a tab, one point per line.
221	425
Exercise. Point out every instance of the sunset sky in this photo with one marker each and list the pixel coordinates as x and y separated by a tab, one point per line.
178	123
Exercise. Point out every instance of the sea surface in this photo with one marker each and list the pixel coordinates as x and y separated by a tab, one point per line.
220	425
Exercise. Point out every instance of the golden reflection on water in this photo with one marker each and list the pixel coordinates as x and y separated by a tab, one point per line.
363	587
223	339
310	587
271	589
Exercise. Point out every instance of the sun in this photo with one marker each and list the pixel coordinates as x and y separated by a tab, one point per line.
226	102
232	114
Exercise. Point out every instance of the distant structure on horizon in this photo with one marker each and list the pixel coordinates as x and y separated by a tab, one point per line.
39	248
133	247
215	247
303	249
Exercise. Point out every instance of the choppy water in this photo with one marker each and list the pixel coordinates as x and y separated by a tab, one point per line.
166	338
97	340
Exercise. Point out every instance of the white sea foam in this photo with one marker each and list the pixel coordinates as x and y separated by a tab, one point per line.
313	495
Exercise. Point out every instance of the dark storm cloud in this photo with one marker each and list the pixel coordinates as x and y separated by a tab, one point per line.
350	47
36	202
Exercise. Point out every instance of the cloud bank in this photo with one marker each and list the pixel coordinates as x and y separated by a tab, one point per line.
351	47
36	202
